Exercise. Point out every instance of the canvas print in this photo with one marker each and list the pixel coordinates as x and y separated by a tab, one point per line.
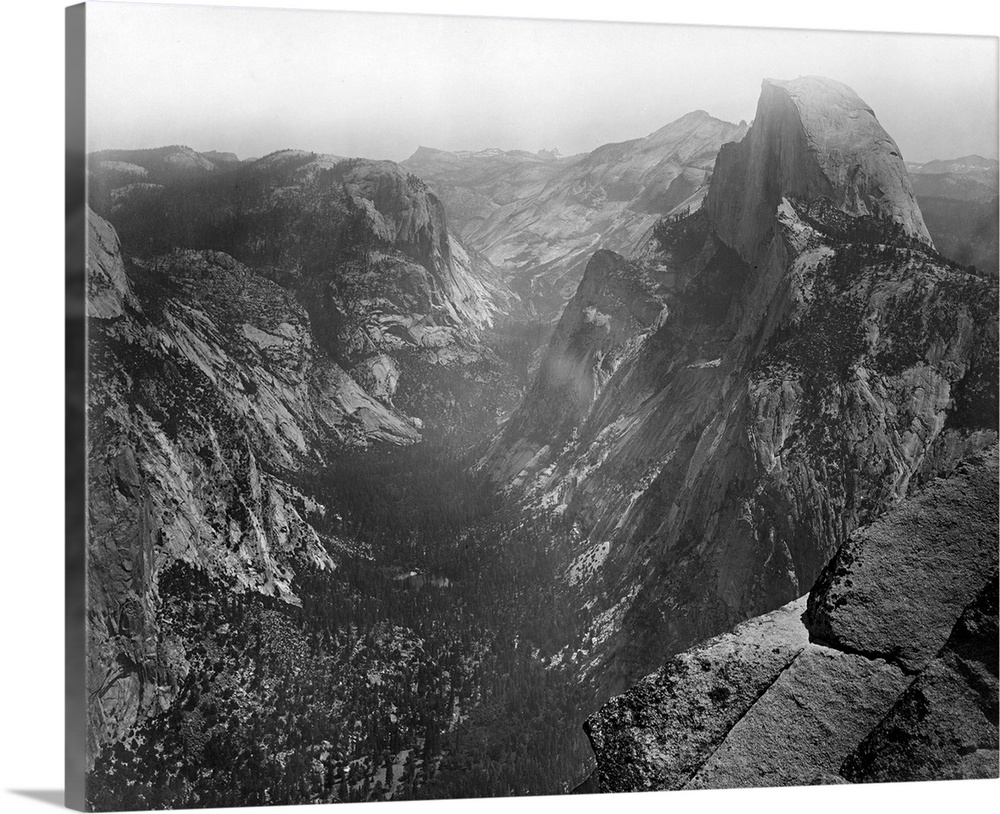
488	407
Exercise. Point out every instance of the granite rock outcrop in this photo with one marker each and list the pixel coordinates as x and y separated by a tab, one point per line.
811	138
874	676
393	297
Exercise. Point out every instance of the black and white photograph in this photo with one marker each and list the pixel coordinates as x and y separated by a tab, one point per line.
490	407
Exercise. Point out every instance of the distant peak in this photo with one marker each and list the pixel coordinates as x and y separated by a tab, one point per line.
552	154
965	163
423	152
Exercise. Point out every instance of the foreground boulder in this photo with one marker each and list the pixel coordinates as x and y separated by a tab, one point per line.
889	674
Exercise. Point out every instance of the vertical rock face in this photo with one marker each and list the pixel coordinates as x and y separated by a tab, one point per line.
108	289
897	587
945	725
811	138
836	400
889	674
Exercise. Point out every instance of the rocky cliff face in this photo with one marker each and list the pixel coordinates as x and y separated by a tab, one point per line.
811	138
207	395
392	297
616	304
886	671
539	220
814	361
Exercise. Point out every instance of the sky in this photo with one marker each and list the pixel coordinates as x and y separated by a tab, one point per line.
252	80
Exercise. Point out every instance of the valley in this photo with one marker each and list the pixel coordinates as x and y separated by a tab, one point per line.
443	684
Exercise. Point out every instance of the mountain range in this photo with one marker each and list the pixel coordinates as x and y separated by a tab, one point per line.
539	218
399	473
959	201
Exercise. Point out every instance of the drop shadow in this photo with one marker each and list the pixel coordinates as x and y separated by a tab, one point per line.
54	797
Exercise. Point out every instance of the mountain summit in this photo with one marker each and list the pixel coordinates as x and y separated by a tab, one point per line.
811	138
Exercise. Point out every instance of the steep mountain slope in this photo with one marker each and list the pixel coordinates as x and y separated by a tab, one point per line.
289	600
544	219
392	296
958	199
886	671
786	363
207	398
219	386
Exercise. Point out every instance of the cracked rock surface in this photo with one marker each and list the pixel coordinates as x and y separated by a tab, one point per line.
890	674
934	547
657	734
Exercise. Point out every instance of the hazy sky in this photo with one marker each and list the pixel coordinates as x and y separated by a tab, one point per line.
252	81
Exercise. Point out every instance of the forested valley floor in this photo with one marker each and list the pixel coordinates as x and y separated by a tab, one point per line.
431	663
